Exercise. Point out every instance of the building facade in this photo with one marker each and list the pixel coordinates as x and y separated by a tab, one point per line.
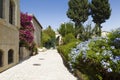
37	32
9	33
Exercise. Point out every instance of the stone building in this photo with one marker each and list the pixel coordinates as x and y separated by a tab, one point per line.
37	32
9	33
25	53
59	38
104	33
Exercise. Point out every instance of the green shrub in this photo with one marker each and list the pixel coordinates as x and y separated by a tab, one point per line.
65	49
68	38
34	49
114	37
48	38
66	28
114	34
97	59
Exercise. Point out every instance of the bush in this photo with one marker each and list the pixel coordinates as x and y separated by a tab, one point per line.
48	38
68	38
66	28
114	37
97	59
33	49
65	49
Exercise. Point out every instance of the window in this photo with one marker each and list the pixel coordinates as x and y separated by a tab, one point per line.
10	56
1	8
11	12
1	58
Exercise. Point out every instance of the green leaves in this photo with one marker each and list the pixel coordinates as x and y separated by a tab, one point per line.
65	49
100	10
78	11
48	37
69	38
66	28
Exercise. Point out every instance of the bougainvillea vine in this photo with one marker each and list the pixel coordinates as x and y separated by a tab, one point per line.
26	30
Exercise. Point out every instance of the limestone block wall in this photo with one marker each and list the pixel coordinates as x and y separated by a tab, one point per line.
9	34
16	11
9	40
37	32
24	53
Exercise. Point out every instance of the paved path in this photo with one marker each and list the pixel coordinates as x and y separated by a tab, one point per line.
44	66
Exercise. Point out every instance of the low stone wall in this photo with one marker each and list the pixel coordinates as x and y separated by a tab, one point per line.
24	53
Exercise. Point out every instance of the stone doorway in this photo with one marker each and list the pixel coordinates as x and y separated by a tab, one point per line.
10	56
1	58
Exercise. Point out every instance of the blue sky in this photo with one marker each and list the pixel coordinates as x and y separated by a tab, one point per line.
53	12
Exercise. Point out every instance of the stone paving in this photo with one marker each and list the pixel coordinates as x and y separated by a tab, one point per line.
46	65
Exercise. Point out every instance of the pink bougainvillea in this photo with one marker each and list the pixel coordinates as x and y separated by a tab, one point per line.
25	21
26	35
26	30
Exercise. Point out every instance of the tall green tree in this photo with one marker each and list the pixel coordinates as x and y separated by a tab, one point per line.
48	37
62	29
50	32
100	11
78	12
88	33
66	28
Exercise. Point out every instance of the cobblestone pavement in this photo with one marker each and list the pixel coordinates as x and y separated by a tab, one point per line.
46	65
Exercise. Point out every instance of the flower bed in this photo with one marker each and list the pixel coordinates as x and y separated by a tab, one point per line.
97	59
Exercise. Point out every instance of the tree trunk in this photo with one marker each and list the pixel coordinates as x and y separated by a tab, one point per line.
79	29
99	29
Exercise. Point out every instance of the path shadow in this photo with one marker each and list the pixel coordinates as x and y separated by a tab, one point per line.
41	59
36	64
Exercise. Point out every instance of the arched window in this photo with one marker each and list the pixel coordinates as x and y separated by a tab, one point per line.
1	58
11	12
1	8
10	56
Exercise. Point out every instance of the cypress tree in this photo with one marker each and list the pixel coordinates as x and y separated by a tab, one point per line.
78	12
100	11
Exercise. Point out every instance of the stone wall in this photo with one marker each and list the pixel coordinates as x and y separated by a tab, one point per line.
37	32
24	53
9	34
9	40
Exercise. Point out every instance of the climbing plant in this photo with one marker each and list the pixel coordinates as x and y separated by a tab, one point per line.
26	30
